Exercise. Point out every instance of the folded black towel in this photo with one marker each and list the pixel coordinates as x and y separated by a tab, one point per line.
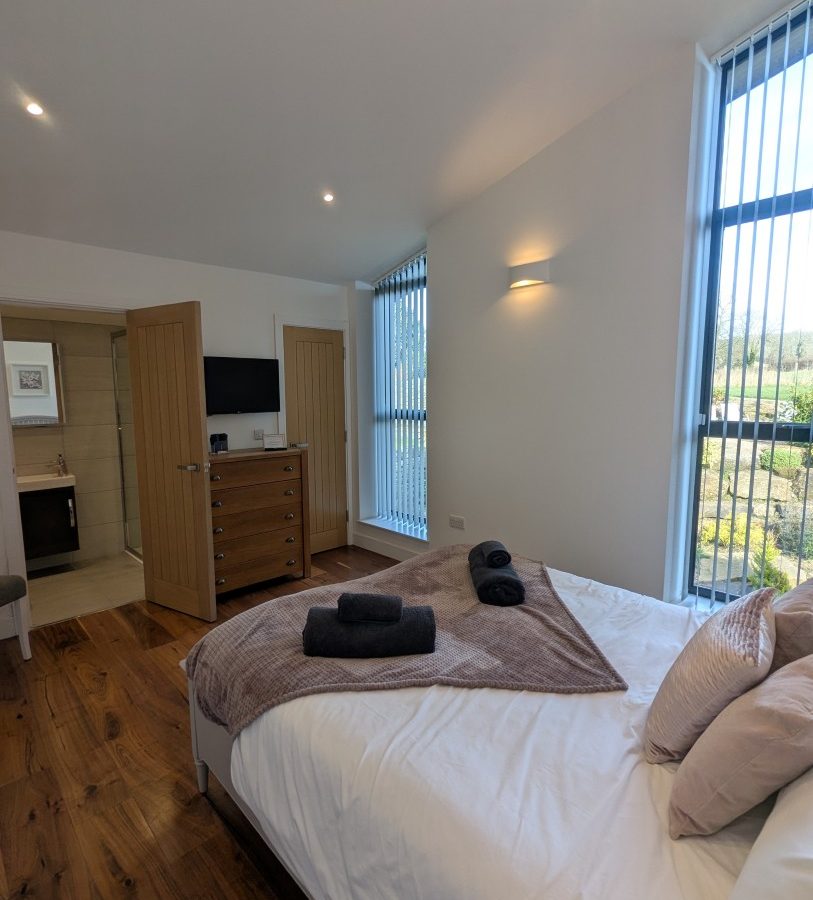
495	553
325	635
497	587
369	608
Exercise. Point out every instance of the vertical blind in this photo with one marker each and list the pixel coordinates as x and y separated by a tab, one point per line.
399	326
752	523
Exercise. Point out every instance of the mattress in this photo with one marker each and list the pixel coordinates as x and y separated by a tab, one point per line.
445	793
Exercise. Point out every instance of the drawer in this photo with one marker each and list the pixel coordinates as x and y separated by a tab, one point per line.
237	552
255	496
238	525
255	471
261	570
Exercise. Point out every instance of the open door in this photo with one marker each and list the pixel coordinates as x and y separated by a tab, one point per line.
166	370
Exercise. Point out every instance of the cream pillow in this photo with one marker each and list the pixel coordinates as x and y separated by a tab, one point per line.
730	653
758	744
794	625
780	864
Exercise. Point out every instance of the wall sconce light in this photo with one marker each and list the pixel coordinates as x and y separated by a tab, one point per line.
531	273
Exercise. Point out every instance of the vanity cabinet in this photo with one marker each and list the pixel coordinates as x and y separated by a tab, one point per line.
49	522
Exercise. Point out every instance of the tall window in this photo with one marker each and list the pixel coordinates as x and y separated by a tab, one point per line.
753	521
399	311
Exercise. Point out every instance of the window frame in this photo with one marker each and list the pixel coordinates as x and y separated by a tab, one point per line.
759	209
387	416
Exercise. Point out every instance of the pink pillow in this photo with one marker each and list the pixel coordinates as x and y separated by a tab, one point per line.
758	744
730	653
794	625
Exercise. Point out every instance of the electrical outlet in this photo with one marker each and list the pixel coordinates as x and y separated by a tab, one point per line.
457	522
258	434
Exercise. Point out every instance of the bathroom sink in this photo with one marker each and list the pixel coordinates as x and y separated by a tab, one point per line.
43	482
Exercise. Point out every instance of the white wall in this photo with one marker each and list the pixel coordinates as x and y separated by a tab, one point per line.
552	409
237	307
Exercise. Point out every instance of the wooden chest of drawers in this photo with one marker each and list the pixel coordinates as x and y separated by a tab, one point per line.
259	516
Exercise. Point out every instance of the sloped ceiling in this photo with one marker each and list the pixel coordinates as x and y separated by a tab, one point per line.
208	131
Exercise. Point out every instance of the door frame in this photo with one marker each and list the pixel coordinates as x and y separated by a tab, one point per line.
296	321
19	614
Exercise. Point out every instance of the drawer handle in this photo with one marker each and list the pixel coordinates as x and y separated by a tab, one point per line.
288	469
290	515
216	504
217	477
220	581
290	492
291	562
290	540
220	555
218	531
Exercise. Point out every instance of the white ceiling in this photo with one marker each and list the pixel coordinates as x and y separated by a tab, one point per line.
206	130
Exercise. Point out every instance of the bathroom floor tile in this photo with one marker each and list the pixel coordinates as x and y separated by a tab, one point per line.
89	587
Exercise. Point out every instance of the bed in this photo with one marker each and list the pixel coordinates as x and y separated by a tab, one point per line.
448	793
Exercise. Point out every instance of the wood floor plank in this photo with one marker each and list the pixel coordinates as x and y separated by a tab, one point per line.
179	816
39	846
121	853
149	632
97	786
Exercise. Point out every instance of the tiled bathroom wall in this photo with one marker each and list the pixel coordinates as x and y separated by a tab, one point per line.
88	439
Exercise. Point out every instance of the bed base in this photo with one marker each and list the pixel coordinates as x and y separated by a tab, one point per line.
211	751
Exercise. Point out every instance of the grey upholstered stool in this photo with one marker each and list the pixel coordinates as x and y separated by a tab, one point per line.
12	590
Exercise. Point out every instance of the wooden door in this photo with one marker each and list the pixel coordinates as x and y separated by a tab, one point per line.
314	413
166	370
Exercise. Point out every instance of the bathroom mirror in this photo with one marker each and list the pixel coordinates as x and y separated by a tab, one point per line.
34	383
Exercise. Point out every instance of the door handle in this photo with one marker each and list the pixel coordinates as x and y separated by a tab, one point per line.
71	513
193	467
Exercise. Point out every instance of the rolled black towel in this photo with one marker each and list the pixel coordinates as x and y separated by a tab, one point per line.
325	635
495	553
369	608
497	587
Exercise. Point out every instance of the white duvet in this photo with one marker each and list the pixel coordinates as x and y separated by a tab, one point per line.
451	794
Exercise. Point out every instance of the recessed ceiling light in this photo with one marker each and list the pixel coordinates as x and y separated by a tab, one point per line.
328	197
35	109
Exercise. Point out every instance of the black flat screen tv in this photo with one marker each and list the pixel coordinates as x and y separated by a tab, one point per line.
239	385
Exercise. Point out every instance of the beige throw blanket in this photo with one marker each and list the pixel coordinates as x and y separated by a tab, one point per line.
254	661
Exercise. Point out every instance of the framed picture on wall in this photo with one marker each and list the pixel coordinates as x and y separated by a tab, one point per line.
29	380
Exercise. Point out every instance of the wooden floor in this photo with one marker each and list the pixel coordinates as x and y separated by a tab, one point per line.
97	785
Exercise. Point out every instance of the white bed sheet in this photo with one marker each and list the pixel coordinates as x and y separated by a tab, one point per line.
450	794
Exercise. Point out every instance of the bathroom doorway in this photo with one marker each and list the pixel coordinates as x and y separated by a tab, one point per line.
75	466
